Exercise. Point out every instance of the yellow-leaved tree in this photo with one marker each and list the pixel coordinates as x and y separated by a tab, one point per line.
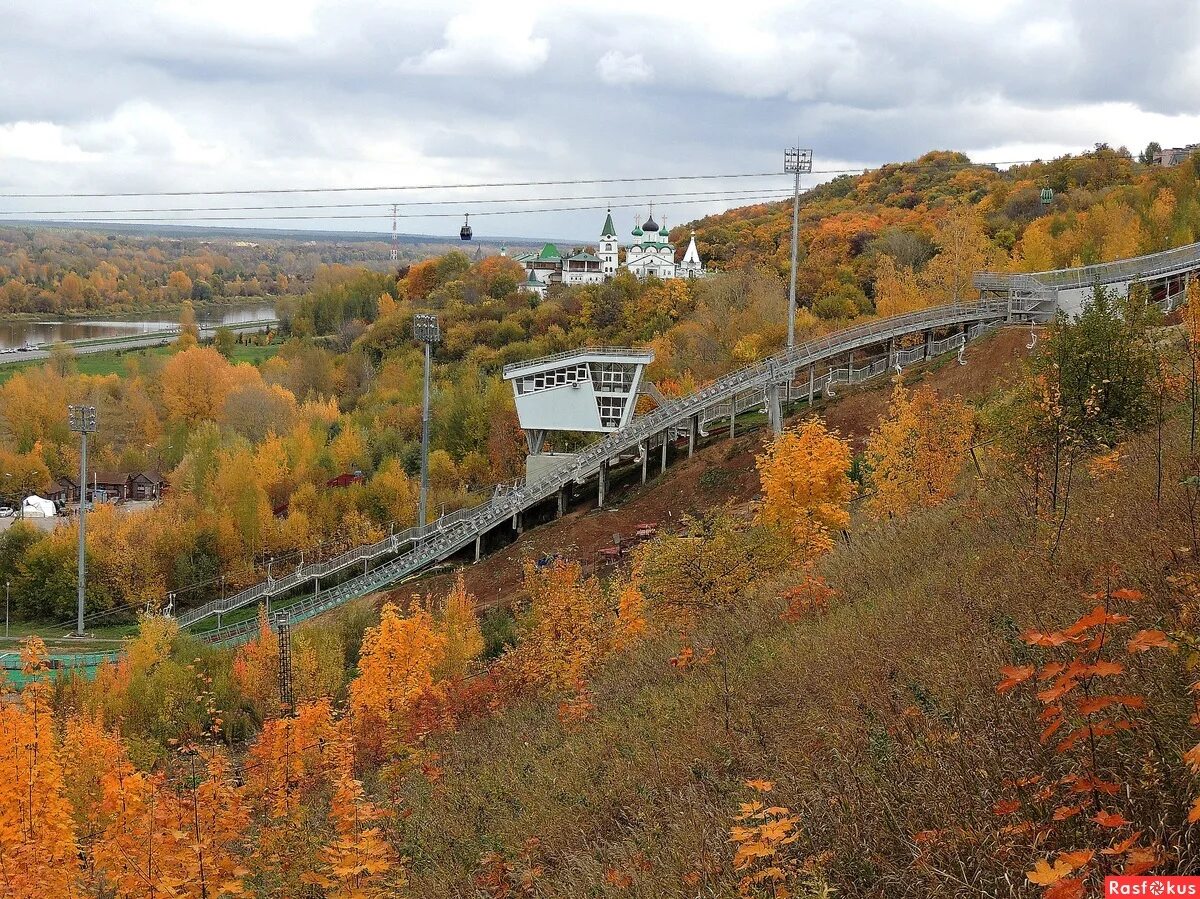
896	288
565	628
918	451
38	854
459	627
806	485
396	671
358	862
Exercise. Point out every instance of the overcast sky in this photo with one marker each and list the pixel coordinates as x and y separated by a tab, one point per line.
170	95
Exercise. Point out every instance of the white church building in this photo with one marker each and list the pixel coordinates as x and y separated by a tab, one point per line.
650	255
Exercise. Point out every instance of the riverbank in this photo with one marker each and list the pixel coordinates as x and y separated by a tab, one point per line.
89	330
121	312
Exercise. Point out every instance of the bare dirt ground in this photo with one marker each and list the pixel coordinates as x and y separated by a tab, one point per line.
720	472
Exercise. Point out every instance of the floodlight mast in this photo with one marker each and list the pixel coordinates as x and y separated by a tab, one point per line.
426	330
82	420
798	161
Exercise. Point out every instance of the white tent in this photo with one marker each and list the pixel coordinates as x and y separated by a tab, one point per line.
36	507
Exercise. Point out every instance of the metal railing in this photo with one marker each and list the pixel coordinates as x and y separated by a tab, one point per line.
908	357
636	352
317	570
1152	265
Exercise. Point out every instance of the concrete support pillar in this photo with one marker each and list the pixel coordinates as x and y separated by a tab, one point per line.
602	479
664	451
645	449
692	425
812	379
732	416
562	501
928	344
478	547
774	410
518	523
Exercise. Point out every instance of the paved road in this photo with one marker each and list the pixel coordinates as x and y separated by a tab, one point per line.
158	338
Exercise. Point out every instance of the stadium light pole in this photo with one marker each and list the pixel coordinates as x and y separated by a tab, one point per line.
800	162
425	329
82	420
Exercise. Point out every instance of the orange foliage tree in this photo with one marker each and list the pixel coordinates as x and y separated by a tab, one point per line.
566	623
160	842
358	863
256	668
459	627
1095	773
918	451
285	770
38	854
396	671
806	485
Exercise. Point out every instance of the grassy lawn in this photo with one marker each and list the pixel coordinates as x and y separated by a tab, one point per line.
56	634
113	363
255	355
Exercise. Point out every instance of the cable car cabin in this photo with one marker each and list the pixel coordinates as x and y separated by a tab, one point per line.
464	232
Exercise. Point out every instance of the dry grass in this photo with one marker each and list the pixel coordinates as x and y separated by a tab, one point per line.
877	721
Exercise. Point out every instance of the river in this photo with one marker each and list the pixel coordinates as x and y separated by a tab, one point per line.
45	331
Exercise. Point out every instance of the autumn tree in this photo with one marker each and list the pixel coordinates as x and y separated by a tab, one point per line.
358	863
963	249
896	288
918	451
287	768
630	625
564	628
195	383
38	852
256	668
189	330
1093	723
396	670
143	851
709	567
460	630
806	485
89	750
1191	322
179	285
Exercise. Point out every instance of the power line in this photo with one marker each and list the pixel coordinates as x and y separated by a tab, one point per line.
494	184
322	190
383	206
385	214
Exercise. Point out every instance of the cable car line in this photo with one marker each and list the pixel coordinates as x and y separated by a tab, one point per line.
753	191
387	215
492	184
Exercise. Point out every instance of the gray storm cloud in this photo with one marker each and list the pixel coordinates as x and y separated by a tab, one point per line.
223	94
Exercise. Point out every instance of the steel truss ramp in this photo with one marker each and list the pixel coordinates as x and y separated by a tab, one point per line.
743	389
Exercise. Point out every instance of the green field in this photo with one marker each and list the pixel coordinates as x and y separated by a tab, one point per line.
113	363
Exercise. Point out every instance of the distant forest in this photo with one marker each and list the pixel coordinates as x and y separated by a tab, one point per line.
57	270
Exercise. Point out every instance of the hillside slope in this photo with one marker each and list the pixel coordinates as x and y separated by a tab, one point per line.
912	233
720	472
879	722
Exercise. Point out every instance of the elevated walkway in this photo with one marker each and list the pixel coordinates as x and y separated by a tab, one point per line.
801	372
1039	295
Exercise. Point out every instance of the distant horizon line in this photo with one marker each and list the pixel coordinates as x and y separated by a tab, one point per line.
384	237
